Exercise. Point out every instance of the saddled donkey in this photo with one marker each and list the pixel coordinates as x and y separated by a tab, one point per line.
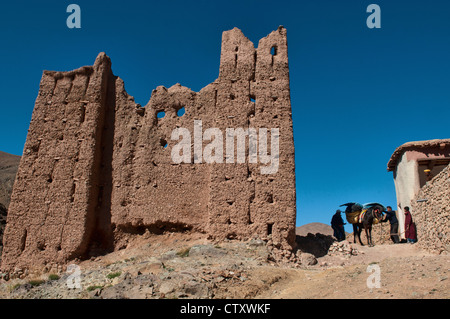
363	217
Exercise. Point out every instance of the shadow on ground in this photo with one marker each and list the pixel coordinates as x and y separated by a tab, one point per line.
317	244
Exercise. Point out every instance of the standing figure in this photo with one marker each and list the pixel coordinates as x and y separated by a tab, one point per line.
410	227
337	223
392	218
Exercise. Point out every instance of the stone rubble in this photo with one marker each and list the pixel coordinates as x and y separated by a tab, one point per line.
343	249
432	214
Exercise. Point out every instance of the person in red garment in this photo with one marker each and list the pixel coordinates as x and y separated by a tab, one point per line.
410	228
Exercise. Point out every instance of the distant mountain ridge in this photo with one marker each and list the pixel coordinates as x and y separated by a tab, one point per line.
314	228
9	164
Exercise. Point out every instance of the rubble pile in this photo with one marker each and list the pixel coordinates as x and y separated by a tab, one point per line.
342	248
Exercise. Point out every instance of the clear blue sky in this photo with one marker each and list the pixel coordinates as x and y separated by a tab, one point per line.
357	93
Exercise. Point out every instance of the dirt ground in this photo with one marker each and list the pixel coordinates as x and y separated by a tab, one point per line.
177	265
405	272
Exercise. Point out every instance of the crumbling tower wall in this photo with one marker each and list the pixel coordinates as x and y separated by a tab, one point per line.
97	166
55	195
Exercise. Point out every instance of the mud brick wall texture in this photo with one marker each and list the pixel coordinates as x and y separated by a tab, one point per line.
97	166
432	217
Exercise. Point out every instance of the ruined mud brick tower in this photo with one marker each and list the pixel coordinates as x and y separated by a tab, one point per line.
97	166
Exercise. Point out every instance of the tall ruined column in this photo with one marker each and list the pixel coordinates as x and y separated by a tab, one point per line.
253	93
275	197
230	191
54	199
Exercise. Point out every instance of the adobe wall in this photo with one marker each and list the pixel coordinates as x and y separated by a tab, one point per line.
95	168
432	217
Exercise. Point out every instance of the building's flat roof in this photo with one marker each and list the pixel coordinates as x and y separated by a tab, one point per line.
413	145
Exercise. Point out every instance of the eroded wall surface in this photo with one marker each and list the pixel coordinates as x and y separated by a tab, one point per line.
96	165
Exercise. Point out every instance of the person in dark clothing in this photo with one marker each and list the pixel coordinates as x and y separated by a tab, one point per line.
410	227
337	223
391	216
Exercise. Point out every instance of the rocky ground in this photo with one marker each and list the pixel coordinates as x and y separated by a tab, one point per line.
186	265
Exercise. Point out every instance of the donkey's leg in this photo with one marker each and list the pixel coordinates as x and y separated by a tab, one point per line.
369	235
359	227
